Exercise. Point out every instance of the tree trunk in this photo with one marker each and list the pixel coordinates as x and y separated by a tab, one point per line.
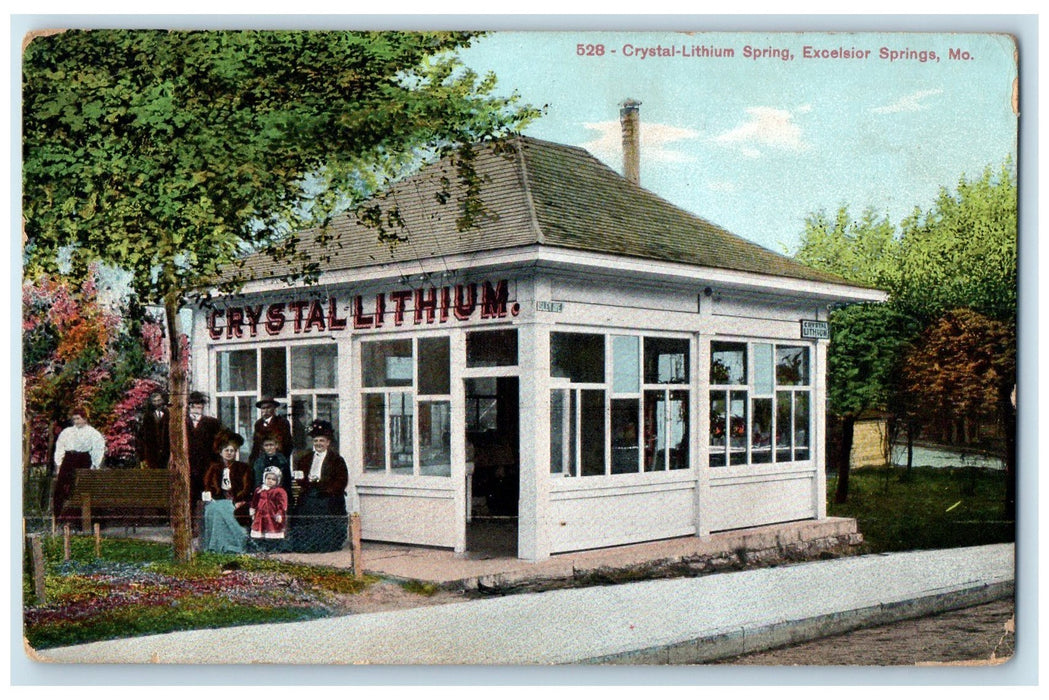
841	494
178	386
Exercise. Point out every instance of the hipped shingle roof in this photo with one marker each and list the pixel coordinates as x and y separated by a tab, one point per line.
537	192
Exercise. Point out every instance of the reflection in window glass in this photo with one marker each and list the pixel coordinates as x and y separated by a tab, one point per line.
374	432
718	428
783	426
435	433
274	372
728	363
579	357
792	365
401	428
761	431
434	366
666	361
738	427
491	348
313	366
626	360
386	363
801	425
237	371
592	432
625	436
678	432
561	452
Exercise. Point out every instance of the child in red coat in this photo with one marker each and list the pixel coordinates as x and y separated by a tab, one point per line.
269	511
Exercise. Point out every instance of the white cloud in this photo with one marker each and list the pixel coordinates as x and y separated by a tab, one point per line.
766	127
655	138
908	103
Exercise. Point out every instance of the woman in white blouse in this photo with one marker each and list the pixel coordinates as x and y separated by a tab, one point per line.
78	447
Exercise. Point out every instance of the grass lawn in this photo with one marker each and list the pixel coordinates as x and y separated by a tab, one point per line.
928	509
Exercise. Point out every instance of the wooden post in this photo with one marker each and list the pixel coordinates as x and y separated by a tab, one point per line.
355	545
85	514
54	526
37	556
98	542
65	542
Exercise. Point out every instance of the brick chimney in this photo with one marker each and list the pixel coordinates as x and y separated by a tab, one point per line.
631	126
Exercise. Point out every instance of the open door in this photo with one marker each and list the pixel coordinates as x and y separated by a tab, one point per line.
493	436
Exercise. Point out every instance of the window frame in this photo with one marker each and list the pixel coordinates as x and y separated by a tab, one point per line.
416	399
755	390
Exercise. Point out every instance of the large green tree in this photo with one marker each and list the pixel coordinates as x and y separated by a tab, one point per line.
172	154
958	254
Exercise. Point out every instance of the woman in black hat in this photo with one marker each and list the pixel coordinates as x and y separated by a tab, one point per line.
319	521
227	487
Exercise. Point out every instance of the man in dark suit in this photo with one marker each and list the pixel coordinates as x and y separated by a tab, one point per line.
273	424
202	431
154	441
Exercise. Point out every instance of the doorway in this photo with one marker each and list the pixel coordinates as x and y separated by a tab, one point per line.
493	415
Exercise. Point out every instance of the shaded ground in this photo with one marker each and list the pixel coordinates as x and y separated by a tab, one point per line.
981	634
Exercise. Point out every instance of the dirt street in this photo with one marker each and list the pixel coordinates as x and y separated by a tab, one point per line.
982	634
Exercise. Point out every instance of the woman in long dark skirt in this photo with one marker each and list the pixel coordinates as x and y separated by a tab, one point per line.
319	520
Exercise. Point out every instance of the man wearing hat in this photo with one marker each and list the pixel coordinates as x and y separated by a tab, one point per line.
319	521
272	424
154	442
201	431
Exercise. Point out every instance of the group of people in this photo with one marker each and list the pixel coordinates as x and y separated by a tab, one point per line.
267	503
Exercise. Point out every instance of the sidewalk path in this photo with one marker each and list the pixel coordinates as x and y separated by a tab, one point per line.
683	620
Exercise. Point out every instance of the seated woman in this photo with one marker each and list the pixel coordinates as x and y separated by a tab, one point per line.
319	520
227	495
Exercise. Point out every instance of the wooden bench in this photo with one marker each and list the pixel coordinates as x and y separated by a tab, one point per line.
131	490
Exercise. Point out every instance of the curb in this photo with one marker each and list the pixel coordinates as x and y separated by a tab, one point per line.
727	644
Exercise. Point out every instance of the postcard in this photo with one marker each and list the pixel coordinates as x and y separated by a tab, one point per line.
519	348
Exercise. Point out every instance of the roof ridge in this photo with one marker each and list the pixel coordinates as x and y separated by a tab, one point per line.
533	216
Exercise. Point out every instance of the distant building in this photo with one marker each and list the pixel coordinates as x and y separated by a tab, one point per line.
618	369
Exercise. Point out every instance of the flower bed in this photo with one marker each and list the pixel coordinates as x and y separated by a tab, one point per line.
91	599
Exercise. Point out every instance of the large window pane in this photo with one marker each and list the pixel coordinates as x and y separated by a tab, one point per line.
718	428
801	425
792	365
434	356
435	433
655	431
559	432
738	427
763	368
401	428
274	372
626	364
592	432
226	406
314	367
625	450
761	431
666	361
580	357
374	432
783	426
386	363
491	348
237	371
678	430
728	363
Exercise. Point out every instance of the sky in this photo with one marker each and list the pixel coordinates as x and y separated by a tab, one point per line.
757	141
